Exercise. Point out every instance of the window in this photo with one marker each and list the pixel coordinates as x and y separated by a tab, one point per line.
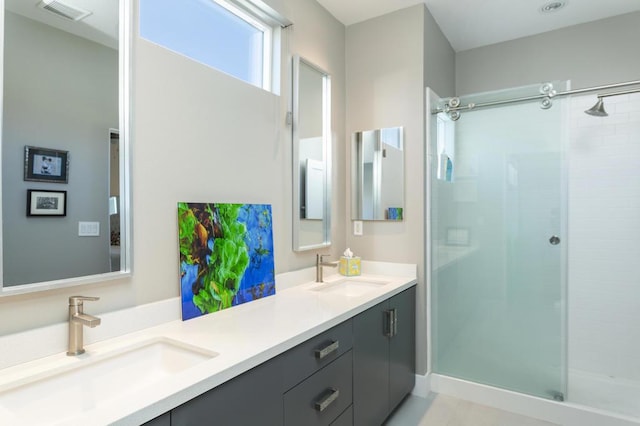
220	33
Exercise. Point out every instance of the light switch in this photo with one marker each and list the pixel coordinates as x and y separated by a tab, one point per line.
88	229
357	227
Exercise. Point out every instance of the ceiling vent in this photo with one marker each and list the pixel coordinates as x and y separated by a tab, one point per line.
64	10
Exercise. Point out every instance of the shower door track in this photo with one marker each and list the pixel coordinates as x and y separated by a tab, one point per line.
453	106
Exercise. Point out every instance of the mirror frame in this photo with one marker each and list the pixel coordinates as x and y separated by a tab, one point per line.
326	153
124	101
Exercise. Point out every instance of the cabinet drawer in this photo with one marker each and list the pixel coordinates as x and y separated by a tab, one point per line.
345	419
321	398
308	357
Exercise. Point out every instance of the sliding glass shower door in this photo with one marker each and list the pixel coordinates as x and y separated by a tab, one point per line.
498	245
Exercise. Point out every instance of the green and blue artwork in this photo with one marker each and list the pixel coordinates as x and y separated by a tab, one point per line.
226	255
394	213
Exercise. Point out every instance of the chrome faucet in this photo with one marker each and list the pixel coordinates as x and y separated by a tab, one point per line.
320	263
77	320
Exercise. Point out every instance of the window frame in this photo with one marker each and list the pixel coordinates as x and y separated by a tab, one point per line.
266	24
267	30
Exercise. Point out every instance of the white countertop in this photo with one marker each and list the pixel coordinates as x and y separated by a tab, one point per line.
243	336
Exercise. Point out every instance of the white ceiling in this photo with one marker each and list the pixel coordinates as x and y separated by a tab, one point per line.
466	23
473	23
101	26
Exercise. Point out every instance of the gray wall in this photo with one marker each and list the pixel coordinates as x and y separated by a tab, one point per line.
590	54
61	92
201	135
439	59
389	64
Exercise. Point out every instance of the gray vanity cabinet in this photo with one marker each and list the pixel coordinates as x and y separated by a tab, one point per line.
354	373
253	398
345	419
308	385
163	420
402	348
383	358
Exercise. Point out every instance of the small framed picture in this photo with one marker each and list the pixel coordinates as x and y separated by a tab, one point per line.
46	165
394	213
42	202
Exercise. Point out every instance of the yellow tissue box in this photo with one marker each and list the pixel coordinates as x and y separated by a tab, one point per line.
349	266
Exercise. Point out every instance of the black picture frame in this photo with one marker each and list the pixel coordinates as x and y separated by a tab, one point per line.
46	165
43	202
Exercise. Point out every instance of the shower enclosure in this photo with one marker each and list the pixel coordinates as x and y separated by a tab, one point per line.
534	227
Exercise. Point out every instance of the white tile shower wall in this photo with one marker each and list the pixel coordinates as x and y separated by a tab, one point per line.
604	230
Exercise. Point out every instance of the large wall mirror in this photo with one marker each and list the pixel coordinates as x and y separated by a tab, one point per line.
65	143
377	174
311	156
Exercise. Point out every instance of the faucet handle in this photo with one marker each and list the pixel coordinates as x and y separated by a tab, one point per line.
77	300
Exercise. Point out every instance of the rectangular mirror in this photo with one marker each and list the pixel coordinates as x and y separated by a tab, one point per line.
65	139
311	156
377	174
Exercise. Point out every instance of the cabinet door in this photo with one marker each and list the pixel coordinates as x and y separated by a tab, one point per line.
370	367
402	347
253	398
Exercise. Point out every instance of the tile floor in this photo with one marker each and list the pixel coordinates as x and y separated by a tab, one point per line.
443	410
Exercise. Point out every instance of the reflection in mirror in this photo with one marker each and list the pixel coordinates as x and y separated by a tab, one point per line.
377	174
64	78
311	156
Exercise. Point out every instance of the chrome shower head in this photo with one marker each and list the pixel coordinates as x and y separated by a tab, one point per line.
598	109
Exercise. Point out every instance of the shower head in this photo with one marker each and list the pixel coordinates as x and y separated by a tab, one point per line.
598	109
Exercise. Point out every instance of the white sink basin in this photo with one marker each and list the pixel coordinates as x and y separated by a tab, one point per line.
93	379
353	287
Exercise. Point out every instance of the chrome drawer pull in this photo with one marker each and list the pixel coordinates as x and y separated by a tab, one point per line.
394	322
388	323
391	322
321	353
325	403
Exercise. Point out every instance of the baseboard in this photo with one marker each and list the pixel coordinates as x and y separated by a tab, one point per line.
564	413
422	388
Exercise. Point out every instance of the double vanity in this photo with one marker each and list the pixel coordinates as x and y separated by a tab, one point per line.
337	352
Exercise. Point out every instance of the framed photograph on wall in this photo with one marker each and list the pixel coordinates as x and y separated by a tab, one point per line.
46	165
41	202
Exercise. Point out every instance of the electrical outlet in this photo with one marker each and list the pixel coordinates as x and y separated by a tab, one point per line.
357	227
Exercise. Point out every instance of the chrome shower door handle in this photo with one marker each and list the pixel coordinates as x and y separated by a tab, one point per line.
554	240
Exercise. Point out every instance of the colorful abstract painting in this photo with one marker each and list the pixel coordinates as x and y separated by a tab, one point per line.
226	255
394	213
